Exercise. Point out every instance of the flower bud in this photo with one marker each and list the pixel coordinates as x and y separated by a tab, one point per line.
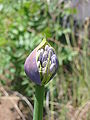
52	68
45	56
41	65
44	64
46	47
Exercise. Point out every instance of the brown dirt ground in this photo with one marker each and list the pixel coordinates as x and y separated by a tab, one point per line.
7	110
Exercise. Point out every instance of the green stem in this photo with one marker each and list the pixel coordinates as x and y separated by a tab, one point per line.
38	103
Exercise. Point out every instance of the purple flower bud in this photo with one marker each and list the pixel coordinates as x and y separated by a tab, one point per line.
41	55
53	59
46	47
44	64
45	56
50	51
45	70
42	51
53	68
40	66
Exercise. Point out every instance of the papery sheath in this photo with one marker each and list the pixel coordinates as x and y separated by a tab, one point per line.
31	69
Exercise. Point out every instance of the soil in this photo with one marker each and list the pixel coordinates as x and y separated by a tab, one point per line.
8	111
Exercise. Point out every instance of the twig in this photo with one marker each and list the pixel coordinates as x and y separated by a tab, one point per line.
24	99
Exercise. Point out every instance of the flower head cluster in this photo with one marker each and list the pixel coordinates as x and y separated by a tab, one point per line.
47	62
42	64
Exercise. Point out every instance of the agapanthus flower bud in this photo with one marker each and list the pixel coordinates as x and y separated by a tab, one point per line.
52	68
51	51
41	65
44	63
46	47
45	56
54	59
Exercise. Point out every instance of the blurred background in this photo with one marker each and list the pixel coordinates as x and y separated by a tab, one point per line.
66	25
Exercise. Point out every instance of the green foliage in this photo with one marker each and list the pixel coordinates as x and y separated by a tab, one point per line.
23	24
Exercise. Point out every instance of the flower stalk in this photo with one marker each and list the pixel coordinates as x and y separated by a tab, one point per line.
38	103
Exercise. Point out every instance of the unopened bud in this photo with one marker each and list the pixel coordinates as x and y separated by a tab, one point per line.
42	64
